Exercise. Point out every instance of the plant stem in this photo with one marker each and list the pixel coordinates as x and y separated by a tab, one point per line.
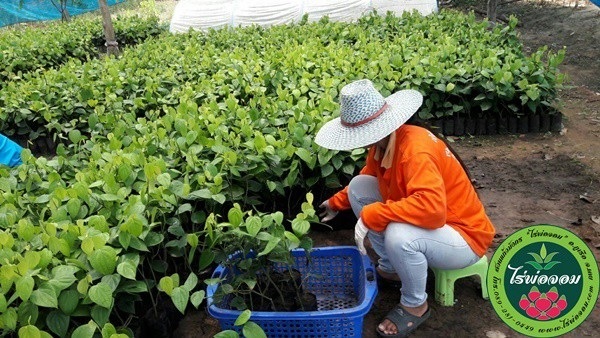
296	286
149	291
268	274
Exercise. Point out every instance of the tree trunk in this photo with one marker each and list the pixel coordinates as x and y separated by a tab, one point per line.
112	46
64	15
61	6
492	5
64	12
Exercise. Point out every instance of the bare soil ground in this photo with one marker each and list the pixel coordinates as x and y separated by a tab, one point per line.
551	178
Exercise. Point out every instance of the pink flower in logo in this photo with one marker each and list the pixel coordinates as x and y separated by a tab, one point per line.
543	306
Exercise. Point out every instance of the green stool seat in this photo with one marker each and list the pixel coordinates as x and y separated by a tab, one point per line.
444	280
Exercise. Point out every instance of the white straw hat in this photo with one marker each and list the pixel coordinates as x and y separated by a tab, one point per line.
366	116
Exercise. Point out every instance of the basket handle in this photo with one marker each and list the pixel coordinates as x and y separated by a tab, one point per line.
371	280
212	289
218	271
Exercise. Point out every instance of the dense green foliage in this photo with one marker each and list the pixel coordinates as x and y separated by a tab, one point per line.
460	65
24	52
160	142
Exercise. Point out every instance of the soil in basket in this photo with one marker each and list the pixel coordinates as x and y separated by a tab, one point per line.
281	291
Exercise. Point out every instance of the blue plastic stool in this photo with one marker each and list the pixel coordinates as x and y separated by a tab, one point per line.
444	280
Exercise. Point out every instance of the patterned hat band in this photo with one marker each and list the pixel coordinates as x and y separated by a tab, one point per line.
367	120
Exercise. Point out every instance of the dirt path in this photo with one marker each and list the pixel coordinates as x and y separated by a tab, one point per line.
572	24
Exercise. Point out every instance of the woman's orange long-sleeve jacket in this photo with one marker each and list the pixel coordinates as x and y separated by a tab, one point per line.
425	186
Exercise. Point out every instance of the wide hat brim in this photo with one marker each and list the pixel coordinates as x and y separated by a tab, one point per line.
401	106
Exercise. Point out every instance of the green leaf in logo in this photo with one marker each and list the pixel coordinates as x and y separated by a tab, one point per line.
550	265
537	257
543	251
549	257
536	265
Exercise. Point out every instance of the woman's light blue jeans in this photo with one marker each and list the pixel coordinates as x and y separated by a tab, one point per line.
408	250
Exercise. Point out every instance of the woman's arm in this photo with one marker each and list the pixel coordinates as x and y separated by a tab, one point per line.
425	201
340	201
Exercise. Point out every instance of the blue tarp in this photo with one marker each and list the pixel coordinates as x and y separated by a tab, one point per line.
596	2
10	152
15	11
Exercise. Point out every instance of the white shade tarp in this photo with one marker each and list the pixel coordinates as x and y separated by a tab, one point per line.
205	14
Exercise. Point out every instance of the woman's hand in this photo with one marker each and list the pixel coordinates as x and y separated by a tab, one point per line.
328	214
360	232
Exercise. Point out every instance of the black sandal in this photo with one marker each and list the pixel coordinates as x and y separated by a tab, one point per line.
401	319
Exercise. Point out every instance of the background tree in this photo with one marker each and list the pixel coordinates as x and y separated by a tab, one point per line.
112	46
492	5
61	5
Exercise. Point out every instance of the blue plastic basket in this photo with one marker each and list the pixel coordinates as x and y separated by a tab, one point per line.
343	281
